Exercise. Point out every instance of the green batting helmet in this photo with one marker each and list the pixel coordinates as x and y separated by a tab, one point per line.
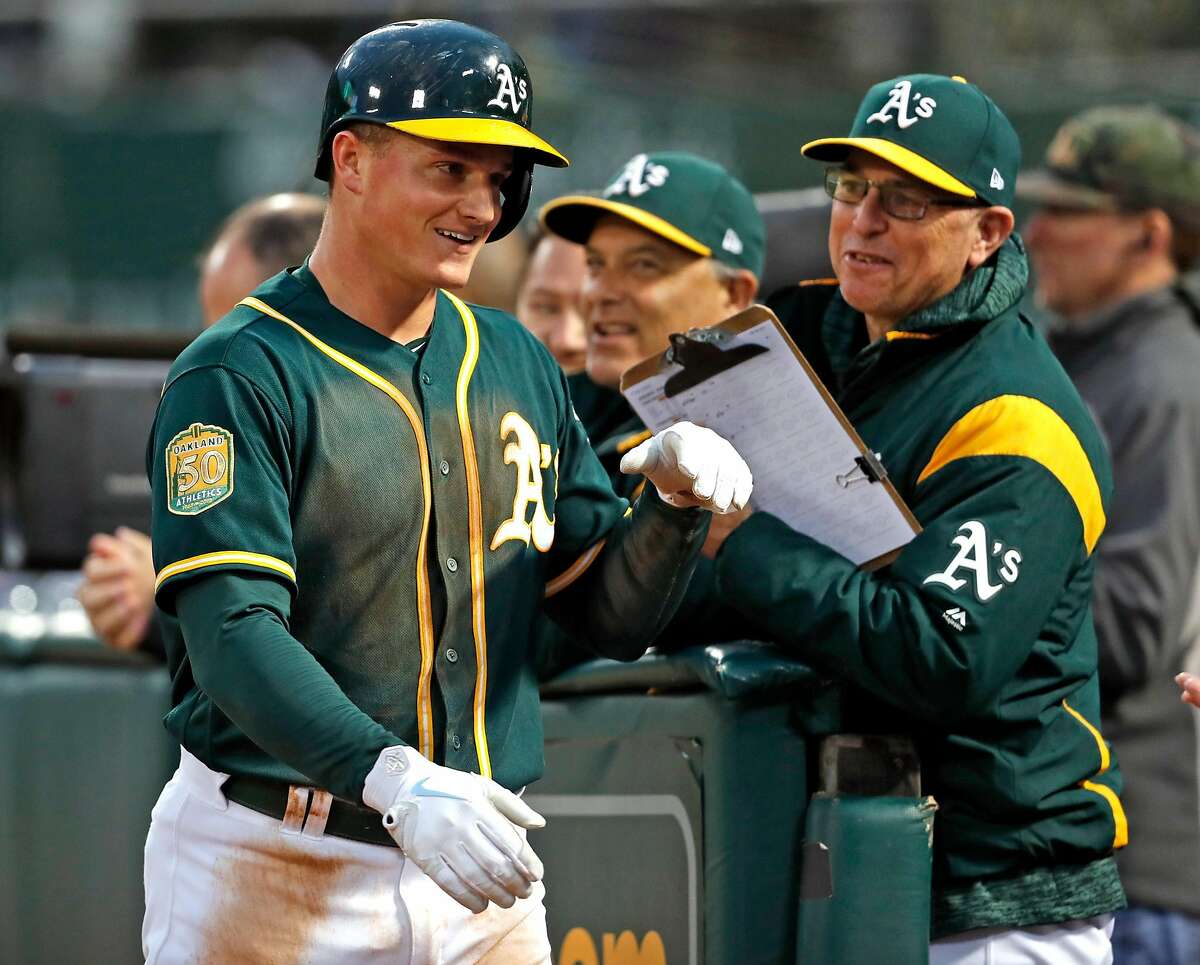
443	80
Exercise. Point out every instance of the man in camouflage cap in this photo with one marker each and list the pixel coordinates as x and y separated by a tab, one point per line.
1115	230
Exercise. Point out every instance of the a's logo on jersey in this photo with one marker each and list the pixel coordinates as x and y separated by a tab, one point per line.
530	457
638	177
199	469
899	99
975	555
514	90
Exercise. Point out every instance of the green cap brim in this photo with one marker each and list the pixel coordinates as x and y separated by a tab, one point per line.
836	149
1045	187
483	130
573	217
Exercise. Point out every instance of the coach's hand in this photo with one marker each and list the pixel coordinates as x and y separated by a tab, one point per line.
460	828
692	466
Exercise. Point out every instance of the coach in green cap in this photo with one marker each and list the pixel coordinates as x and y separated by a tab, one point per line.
673	242
978	639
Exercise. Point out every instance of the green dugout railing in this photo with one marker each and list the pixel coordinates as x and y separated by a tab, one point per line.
684	824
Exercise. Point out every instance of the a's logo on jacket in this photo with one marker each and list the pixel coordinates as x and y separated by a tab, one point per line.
899	99
530	457
976	554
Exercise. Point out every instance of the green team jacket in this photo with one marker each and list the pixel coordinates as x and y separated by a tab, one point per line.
358	536
978	640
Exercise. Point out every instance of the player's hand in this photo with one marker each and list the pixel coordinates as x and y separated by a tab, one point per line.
1189	687
721	529
117	591
692	466
460	828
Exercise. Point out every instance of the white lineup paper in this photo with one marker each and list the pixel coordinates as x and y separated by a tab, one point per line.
776	417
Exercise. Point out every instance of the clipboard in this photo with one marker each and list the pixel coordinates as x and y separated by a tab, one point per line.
746	379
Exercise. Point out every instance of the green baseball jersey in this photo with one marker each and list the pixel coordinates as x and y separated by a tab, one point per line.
417	503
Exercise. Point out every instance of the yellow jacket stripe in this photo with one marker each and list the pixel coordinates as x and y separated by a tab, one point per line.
1016	425
224	558
424	607
1120	822
475	531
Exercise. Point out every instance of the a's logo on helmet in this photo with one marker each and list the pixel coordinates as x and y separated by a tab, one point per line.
639	176
899	99
514	90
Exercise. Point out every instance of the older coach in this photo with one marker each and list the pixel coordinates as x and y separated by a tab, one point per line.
978	640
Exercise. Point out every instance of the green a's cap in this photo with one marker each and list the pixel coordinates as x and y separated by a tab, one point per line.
1121	159
942	130
692	202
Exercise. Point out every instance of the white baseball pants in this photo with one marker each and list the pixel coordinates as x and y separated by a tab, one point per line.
1083	942
225	884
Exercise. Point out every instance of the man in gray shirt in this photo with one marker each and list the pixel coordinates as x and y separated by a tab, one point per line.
1116	229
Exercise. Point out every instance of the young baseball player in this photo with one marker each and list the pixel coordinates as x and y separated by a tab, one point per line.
365	490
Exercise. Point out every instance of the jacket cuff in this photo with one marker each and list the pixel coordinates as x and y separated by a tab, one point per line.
763	546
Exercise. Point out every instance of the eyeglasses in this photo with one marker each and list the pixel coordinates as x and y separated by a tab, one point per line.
898	200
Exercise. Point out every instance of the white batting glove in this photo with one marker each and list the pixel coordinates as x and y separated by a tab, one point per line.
693	466
460	828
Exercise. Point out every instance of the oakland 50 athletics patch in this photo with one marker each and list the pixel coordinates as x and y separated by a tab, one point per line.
199	469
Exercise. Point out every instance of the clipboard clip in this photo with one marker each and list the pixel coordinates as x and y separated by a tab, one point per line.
867	468
699	353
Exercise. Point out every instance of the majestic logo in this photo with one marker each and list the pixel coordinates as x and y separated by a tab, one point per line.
638	177
899	99
199	469
530	457
973	556
956	616
515	91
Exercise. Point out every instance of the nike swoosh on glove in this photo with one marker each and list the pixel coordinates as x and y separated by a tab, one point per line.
460	828
693	466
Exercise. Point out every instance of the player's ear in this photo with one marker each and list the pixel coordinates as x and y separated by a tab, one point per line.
994	226
347	152
742	286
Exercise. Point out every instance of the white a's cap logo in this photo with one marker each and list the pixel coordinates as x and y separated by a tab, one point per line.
509	89
638	177
898	100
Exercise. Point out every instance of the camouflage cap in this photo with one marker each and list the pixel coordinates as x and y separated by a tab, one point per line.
1121	159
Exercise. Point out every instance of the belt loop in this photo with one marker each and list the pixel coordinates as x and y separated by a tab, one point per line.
297	804
318	814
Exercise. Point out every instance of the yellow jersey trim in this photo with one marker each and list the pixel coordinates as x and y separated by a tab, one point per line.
1016	425
475	530
580	566
1120	822
224	558
575	570
651	222
424	605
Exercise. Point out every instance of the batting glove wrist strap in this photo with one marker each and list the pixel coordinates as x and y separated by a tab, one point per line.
461	829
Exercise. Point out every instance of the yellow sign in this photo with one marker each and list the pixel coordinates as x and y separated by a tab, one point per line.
579	948
199	469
